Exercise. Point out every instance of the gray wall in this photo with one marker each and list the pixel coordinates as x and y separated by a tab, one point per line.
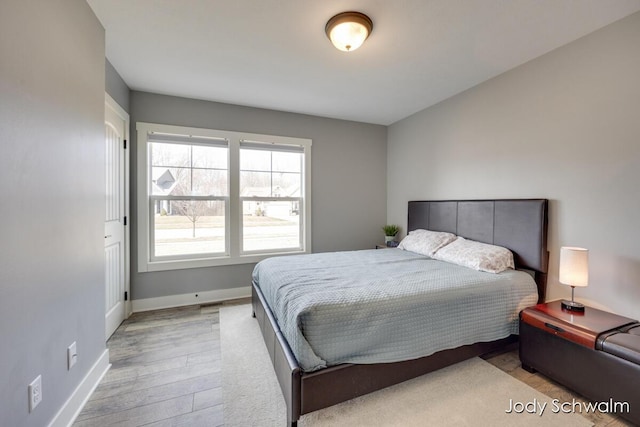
51	201
565	126
348	182
115	86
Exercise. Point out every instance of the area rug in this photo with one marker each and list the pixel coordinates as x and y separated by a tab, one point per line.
470	393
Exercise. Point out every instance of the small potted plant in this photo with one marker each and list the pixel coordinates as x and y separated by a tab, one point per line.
390	232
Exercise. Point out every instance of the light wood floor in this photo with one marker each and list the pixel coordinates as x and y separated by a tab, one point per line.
166	371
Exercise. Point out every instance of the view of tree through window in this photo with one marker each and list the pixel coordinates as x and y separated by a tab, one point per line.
187	184
215	197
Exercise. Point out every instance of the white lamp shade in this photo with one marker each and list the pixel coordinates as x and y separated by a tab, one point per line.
574	266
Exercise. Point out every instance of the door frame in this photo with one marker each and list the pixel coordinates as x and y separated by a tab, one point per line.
122	113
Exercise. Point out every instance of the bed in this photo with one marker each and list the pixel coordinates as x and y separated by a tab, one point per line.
517	224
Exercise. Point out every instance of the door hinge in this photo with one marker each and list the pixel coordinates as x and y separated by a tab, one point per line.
126	296
125	144
125	220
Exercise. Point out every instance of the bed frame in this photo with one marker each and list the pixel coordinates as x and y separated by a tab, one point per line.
517	224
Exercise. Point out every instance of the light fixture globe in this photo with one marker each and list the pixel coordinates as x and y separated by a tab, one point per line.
348	30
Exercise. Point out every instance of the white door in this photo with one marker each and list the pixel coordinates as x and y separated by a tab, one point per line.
115	226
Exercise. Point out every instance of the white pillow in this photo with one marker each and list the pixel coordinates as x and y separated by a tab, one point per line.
476	255
425	242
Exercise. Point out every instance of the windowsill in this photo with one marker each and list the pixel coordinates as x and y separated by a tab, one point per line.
210	262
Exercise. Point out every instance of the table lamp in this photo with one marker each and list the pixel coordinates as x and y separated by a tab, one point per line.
574	271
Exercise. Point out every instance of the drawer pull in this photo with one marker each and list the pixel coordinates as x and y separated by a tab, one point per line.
554	327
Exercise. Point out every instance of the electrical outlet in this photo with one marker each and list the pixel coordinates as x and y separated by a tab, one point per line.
72	355
35	393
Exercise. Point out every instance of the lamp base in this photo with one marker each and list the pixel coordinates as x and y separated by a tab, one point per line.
572	306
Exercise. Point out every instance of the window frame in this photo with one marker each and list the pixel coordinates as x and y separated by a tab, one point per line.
271	148
233	218
189	141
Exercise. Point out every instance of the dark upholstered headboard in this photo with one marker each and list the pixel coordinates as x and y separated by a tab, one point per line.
519	225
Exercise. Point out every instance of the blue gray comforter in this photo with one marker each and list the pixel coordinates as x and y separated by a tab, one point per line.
377	306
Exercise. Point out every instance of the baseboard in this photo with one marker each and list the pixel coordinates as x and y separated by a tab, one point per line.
72	407
180	300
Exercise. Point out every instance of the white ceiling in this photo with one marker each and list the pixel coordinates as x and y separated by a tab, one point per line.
274	53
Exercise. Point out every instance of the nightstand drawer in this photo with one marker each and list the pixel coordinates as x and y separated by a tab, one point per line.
562	329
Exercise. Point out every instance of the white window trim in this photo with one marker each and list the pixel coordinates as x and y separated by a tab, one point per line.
234	230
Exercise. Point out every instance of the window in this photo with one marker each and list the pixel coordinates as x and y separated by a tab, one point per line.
189	195
208	197
270	192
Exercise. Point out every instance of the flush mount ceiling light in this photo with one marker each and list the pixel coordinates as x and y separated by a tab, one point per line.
348	30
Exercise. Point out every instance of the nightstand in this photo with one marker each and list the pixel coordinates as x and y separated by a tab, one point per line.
386	247
594	353
582	328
